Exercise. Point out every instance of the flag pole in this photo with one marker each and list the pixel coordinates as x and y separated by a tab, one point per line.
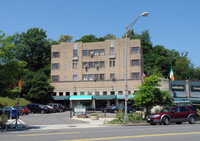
19	84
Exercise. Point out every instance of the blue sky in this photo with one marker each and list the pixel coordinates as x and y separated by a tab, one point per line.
171	23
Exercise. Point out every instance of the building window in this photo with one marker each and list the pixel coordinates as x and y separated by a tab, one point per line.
135	63
135	50
101	51
60	93
120	92
74	77
56	54
85	53
89	93
67	93
96	92
55	66
91	52
104	92
96	52
85	77
74	93
81	93
135	76
112	50
90	64
112	76
112	93
101	64
74	52
101	76
54	94
90	76
95	77
112	63
75	65
55	78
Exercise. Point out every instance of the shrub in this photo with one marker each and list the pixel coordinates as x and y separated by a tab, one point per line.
3	120
94	114
135	117
120	116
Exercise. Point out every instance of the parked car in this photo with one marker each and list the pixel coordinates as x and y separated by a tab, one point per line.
1	112
106	109
57	107
37	108
10	111
20	112
51	109
115	109
177	114
24	110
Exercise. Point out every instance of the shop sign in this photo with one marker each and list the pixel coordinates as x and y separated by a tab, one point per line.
178	87
195	88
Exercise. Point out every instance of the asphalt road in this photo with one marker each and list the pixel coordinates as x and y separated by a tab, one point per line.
184	132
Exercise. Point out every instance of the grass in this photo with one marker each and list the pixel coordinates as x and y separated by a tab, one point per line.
12	102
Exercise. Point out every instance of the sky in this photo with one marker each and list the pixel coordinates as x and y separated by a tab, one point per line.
174	24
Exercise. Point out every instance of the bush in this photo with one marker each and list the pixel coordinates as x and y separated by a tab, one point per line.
3	120
94	114
120	116
135	117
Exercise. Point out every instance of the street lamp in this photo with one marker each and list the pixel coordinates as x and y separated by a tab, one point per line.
126	86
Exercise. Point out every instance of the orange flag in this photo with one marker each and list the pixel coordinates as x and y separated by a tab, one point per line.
19	84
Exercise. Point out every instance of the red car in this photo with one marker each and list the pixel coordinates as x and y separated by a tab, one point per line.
177	114
25	110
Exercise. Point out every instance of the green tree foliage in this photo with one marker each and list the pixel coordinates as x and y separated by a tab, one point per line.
65	38
150	95
90	38
36	87
109	37
33	47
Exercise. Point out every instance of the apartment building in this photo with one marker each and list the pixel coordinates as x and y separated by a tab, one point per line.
93	74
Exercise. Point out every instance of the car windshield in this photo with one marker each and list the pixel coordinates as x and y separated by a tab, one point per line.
167	109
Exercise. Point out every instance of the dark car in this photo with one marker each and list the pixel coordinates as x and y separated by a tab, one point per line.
20	112
1	112
23	110
37	108
106	109
57	107
176	114
115	109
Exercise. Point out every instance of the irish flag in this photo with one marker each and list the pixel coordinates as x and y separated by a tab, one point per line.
171	74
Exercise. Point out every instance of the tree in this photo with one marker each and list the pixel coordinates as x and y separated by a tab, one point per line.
109	37
150	95
36	87
65	38
89	38
33	47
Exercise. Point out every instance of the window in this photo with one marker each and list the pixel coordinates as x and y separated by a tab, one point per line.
74	93
101	51
95	77
84	64
54	94
112	63
81	93
60	93
74	52
120	92
183	109
55	78
91	52
56	55
104	92
75	77
96	92
135	50
135	63
101	76
75	65
90	76
96	64
90	64
85	77
112	76
112	50
135	76
89	93
55	66
96	52
101	64
67	93
85	53
112	93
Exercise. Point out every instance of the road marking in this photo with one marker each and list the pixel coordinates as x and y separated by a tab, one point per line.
26	135
136	136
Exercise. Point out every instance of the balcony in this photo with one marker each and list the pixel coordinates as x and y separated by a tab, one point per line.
112	56
74	58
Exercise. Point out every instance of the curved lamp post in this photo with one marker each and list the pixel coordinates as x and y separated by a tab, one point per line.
126	86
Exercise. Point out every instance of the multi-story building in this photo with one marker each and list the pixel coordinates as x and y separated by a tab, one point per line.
93	74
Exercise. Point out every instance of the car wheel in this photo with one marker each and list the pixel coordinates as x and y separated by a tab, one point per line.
165	120
178	122
192	120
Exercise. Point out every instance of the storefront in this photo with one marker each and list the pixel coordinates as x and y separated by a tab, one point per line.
84	100
64	100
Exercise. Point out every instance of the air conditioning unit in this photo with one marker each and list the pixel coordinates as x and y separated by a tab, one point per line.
113	78
91	54
86	66
97	66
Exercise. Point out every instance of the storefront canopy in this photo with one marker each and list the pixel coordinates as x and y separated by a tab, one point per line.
104	97
61	97
123	96
81	97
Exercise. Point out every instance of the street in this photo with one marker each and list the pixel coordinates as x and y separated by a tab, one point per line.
182	132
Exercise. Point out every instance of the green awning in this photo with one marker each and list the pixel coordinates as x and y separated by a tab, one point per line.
81	97
123	96
104	97
61	97
181	100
